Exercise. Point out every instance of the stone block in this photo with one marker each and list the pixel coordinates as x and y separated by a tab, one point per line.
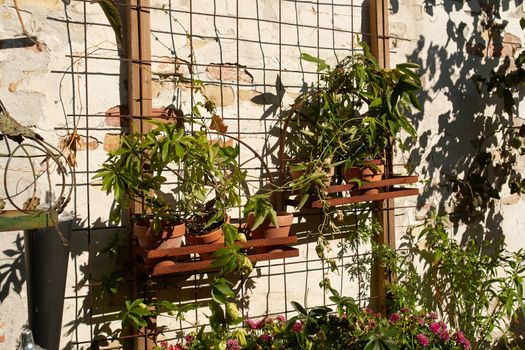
229	72
248	95
111	142
222	96
166	66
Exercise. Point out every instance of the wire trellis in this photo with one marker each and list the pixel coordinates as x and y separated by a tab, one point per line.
246	52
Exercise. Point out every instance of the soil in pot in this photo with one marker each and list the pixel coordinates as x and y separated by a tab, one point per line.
367	174
170	237
216	236
267	230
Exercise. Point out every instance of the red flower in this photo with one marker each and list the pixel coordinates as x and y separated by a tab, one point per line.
422	339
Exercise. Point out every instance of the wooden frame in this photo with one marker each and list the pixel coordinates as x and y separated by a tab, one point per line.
380	47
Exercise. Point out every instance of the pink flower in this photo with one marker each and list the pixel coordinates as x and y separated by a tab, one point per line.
188	338
297	326
253	324
265	337
422	339
368	311
403	310
432	316
233	344
372	324
394	317
461	339
164	344
281	318
444	336
435	327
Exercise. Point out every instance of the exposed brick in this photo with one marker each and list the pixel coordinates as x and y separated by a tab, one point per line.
228	72
82	143
117	116
111	142
165	66
497	48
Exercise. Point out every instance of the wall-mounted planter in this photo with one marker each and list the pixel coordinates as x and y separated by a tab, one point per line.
151	262
46	258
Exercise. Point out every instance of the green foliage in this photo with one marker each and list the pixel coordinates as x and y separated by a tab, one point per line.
261	209
136	172
138	314
477	288
354	112
313	177
319	329
111	284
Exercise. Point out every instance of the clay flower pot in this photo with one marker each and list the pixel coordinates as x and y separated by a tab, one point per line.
268	230
214	237
170	237
367	174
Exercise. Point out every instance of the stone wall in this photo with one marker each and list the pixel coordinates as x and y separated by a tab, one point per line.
250	78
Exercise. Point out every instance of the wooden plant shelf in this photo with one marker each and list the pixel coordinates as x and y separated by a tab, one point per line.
386	187
148	261
15	220
392	193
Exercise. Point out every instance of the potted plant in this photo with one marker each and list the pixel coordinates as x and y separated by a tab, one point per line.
209	187
355	112
135	174
262	219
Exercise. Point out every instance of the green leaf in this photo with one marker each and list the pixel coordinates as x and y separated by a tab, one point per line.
321	64
299	308
303	200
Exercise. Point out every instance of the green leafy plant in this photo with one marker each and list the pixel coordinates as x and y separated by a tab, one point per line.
477	288
208	181
138	313
355	112
261	208
319	329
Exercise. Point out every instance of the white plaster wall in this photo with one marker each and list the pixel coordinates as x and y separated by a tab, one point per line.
32	87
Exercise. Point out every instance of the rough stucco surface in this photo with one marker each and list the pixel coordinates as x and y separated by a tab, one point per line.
35	89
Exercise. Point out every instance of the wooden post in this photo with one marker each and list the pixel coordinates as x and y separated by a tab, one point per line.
379	42
139	98
380	47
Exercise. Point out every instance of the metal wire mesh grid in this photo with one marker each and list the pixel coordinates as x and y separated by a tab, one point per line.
246	53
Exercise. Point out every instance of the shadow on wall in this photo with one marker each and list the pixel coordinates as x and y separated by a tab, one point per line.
465	160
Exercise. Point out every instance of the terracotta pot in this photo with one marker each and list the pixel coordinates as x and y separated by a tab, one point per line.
366	174
214	237
268	230
170	237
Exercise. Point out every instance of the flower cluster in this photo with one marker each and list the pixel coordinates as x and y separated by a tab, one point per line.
402	330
